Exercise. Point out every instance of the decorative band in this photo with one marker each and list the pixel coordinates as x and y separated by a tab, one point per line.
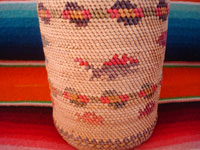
111	98
125	143
122	10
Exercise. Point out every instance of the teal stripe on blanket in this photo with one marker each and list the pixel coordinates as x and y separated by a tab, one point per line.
184	11
18	10
17	6
18	14
28	10
19	32
184	33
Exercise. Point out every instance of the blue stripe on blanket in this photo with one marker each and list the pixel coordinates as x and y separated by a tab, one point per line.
184	33
20	35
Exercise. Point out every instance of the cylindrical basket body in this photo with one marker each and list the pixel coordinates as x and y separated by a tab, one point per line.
104	60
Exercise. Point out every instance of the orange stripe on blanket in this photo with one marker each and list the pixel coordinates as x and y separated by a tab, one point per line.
180	82
30	83
24	84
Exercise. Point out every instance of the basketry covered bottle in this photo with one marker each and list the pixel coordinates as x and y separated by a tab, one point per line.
104	60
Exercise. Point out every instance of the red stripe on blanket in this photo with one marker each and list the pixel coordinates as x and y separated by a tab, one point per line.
32	127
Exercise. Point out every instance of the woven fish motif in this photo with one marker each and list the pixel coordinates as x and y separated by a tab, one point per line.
112	69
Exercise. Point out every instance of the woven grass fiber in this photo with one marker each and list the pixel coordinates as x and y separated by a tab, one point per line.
104	60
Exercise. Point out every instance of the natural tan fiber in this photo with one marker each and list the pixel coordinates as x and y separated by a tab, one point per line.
104	60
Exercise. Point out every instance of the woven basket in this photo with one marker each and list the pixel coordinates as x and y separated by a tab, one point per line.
104	60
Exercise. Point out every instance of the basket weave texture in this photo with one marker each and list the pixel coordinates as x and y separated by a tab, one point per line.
104	60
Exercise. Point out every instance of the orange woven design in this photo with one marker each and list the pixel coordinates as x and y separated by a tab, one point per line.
104	60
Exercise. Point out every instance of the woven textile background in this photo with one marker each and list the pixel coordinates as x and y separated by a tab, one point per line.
24	83
21	40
